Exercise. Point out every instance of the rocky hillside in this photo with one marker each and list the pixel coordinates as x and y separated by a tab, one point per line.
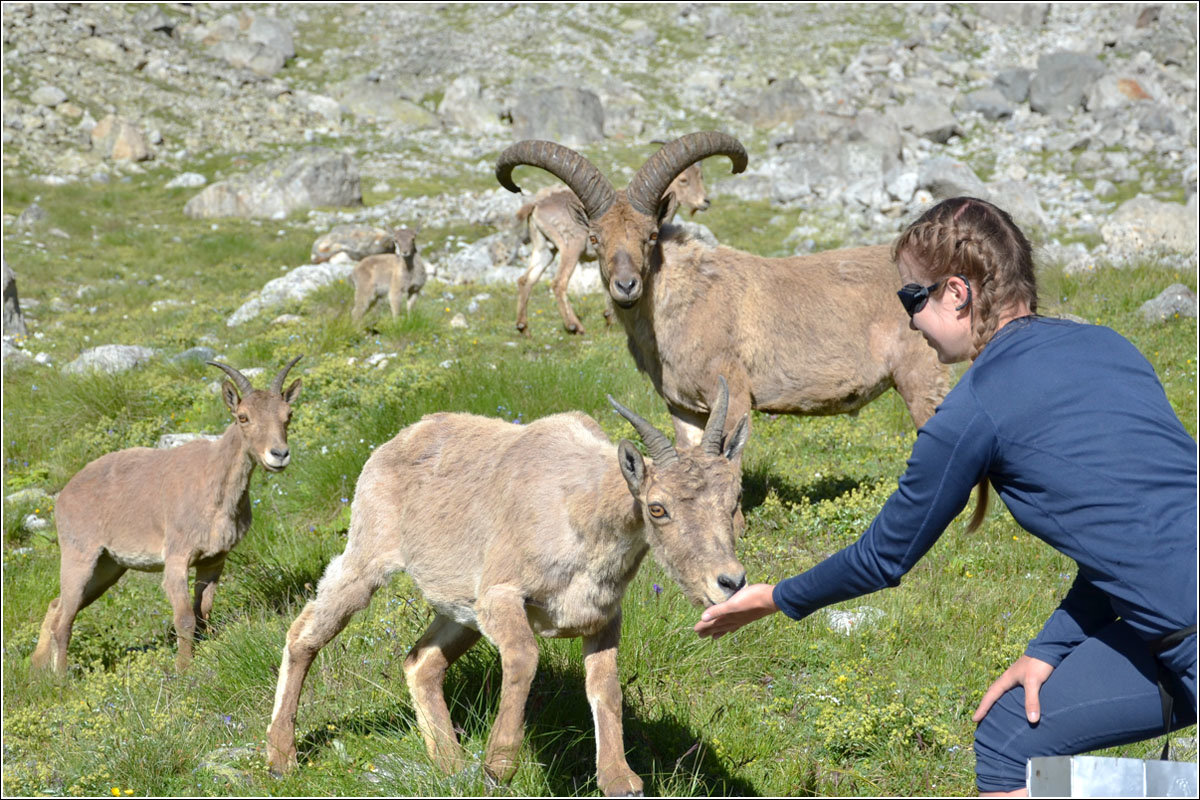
1081	119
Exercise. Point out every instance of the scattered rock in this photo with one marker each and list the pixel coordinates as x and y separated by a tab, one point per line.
847	621
120	140
171	440
110	358
315	176
1175	301
292	287
571	116
1143	225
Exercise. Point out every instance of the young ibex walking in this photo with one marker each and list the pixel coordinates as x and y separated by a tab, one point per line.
511	531
168	511
815	334
557	223
397	276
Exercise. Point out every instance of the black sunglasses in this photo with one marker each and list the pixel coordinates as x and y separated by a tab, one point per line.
914	296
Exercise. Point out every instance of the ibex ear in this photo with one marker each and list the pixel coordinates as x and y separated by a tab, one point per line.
292	392
666	208
736	440
229	394
633	466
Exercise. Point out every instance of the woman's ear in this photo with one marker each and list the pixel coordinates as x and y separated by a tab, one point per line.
960	289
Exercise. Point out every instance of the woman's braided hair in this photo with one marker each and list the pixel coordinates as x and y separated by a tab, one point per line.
971	237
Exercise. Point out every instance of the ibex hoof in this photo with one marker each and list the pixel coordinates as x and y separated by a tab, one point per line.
575	329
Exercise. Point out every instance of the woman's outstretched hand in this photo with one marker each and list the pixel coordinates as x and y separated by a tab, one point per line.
1026	671
748	604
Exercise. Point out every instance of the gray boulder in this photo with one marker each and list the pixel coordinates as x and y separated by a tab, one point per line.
782	101
384	102
991	103
564	114
1062	81
292	287
1014	84
463	106
14	320
119	139
49	96
313	177
254	56
927	117
110	358
1143	225
356	241
945	178
1010	15
169	441
1021	201
487	260
1175	301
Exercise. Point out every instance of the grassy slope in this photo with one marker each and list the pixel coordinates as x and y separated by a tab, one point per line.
777	709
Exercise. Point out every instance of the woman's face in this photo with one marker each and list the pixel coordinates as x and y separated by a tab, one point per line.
945	319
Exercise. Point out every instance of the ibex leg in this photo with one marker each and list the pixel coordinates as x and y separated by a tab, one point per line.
345	589
424	671
175	584
205	589
502	619
613	774
539	258
81	581
568	257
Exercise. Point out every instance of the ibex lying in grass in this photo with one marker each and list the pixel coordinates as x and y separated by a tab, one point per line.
557	224
815	334
397	275
516	530
168	511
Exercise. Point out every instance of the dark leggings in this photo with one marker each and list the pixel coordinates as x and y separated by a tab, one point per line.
1103	694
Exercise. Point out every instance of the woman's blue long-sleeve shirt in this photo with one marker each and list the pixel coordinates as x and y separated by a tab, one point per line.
1074	430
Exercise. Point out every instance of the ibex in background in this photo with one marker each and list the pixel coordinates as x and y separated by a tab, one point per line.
814	334
165	511
512	531
397	276
557	224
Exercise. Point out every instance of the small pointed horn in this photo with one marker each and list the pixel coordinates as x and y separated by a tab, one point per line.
648	185
593	189
714	431
277	384
657	444
239	380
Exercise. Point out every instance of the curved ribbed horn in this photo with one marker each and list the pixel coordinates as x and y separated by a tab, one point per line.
648	185
593	189
657	444
277	384
239	380
714	431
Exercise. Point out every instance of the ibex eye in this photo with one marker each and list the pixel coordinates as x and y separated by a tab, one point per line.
657	510
243	418
593	240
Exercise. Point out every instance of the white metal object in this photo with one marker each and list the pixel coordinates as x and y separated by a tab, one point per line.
1093	776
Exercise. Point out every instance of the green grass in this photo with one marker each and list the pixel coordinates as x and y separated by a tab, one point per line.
777	708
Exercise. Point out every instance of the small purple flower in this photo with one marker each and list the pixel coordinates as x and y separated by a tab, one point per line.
657	590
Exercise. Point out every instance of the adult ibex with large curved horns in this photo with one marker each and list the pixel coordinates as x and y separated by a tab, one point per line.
815	334
166	511
513	531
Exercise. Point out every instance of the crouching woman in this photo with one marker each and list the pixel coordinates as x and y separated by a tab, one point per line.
1072	427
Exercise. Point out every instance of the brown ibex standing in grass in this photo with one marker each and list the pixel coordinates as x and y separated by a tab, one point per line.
814	334
557	223
513	531
397	276
165	510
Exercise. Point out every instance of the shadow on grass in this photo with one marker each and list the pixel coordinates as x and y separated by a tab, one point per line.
758	482
670	755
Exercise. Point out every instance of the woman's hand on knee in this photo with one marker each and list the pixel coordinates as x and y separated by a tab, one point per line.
1026	671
